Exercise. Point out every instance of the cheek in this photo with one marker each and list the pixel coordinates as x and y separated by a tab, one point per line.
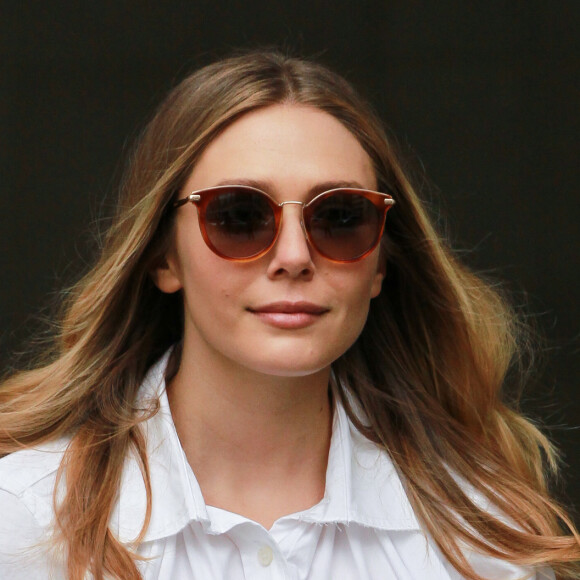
212	286
360	281
354	292
368	288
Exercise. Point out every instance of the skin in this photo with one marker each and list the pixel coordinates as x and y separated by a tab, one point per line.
250	399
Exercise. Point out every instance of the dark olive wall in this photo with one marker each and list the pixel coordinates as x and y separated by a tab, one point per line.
483	95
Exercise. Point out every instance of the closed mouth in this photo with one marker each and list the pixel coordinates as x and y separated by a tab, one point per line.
289	308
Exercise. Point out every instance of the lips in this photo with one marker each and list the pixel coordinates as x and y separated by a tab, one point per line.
290	308
289	315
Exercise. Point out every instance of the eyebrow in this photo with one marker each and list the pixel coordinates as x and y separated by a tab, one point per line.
268	187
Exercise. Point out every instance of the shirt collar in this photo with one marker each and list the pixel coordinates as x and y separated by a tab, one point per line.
176	495
362	484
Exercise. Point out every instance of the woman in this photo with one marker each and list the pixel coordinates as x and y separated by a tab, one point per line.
280	386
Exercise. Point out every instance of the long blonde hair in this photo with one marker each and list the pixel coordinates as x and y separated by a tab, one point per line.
428	370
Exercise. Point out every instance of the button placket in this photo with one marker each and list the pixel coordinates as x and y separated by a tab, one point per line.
259	553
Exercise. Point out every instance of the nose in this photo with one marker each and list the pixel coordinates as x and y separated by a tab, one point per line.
291	255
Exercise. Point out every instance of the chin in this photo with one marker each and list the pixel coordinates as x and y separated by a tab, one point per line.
291	368
290	360
287	373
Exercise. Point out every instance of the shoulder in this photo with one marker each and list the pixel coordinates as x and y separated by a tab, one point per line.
21	538
379	502
27	480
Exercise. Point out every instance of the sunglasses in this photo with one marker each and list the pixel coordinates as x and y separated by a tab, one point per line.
242	223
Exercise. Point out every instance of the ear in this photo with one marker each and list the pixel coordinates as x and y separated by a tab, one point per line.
380	274
377	284
166	276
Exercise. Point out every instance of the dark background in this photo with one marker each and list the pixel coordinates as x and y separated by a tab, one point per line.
483	96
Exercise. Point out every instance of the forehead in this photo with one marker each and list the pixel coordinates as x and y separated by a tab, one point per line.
286	145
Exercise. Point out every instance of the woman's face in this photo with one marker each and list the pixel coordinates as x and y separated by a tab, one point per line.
290	312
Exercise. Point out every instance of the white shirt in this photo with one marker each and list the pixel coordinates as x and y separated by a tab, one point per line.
363	529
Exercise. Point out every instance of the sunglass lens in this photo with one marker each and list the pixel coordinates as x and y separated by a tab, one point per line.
344	226
240	223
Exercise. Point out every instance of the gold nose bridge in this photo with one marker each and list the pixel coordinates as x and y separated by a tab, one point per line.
301	203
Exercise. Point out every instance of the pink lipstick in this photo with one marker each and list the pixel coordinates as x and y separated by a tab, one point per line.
289	315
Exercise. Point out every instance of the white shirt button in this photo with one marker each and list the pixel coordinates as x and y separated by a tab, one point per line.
265	555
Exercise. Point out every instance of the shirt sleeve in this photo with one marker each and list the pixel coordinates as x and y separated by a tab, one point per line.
23	542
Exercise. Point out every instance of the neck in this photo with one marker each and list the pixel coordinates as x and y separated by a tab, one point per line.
257	443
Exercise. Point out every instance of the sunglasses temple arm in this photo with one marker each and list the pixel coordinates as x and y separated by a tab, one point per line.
190	198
